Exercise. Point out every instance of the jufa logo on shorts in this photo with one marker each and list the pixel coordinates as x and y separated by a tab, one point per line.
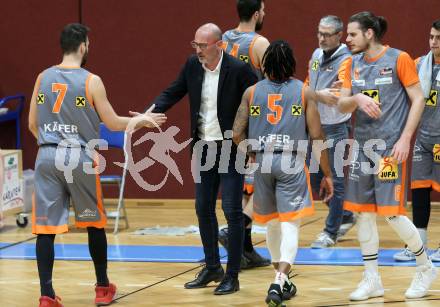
388	169
254	111
432	100
436	153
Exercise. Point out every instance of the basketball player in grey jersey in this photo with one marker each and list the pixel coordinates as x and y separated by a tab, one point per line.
425	171
67	105
277	113
243	42
382	81
246	44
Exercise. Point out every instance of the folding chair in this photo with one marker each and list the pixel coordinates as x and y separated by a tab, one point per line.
116	139
13	115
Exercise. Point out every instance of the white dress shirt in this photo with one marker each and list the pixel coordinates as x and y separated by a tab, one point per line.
209	127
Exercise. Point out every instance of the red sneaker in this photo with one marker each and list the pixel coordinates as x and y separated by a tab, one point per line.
46	301
105	295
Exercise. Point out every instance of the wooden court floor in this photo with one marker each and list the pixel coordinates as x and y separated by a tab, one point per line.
161	284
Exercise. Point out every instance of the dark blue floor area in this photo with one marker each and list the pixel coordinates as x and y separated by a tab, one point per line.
193	254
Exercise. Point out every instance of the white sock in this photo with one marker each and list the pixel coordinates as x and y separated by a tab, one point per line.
406	230
369	241
423	232
280	278
273	239
289	241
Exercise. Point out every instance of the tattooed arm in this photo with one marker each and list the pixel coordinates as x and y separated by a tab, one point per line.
239	130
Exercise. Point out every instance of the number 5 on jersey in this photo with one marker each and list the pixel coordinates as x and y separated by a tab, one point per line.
275	117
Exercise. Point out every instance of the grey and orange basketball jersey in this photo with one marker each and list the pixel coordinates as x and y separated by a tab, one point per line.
64	107
379	80
429	130
277	115
239	45
322	74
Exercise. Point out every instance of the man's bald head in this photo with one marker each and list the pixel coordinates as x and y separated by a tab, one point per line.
212	30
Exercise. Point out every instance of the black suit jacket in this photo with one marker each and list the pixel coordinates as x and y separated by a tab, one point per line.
235	77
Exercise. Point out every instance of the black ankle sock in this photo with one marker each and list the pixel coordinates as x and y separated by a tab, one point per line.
98	252
45	257
248	247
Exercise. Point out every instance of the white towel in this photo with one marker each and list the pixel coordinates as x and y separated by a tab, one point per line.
425	74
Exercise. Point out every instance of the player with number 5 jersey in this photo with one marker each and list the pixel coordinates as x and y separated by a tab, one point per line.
280	117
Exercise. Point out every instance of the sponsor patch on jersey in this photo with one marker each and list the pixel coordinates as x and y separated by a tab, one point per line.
315	65
386	71
357	82
329	69
383	81
80	102
244	58
254	111
40	98
436	153
372	94
388	169
431	101
296	110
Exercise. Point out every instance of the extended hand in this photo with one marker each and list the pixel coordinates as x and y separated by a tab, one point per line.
400	150
368	105
150	119
328	96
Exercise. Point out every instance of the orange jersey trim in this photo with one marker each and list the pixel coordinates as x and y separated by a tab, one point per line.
248	188
347	78
403	188
284	217
303	97
88	95
406	70
45	229
251	98
420	184
68	67
342	69
377	57
251	47
385	210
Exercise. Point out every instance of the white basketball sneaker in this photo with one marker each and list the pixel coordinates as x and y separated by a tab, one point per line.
425	275
370	286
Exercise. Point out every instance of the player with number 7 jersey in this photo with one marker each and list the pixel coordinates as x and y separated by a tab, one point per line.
66	108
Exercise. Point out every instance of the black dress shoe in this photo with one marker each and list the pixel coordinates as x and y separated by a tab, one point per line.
204	277
227	286
253	260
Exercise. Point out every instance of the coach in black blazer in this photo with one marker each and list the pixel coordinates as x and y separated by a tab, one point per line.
215	83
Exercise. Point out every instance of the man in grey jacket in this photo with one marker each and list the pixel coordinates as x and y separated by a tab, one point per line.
326	67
